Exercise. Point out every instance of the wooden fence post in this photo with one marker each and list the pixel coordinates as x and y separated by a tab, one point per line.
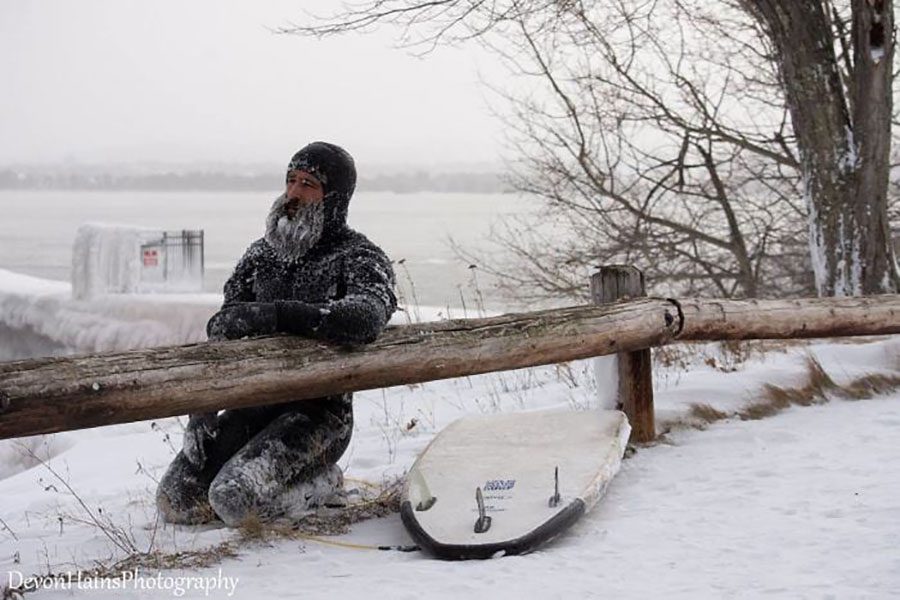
618	282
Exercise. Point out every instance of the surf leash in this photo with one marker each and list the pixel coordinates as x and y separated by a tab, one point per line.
351	546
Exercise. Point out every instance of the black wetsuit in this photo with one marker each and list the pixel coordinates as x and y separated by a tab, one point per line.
266	461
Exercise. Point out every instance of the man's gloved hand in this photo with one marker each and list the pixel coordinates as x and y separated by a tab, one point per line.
201	429
299	318
242	320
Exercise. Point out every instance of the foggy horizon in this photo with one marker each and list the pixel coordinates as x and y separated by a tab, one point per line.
98	82
73	166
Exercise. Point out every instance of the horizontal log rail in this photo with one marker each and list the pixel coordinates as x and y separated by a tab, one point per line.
714	320
58	394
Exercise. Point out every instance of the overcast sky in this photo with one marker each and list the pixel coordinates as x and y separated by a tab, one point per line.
204	80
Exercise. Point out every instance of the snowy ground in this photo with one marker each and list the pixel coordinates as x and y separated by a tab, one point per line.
800	505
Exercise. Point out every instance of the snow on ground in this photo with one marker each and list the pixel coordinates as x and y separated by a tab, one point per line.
802	504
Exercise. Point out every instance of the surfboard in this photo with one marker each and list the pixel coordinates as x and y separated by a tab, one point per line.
504	484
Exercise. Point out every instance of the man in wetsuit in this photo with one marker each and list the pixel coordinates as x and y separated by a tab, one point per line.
309	275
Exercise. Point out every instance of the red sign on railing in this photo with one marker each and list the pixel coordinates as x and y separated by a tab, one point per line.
151	258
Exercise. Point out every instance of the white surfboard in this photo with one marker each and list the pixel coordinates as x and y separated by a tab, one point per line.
507	483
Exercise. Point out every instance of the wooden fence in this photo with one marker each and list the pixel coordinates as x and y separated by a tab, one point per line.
58	394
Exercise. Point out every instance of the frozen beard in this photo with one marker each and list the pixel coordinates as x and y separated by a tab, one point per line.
292	237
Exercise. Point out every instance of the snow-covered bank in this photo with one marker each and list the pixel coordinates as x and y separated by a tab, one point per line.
799	505
40	317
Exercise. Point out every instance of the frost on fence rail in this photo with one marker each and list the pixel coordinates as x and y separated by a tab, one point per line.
117	259
59	394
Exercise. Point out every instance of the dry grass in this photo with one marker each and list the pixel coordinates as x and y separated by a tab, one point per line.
10	593
871	386
771	406
376	501
117	534
818	388
706	413
156	560
186	559
122	539
726	356
329	521
252	529
326	521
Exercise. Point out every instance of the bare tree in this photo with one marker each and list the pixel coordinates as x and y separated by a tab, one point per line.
642	153
662	134
837	76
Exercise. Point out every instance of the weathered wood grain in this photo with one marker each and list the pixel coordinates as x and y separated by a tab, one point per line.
76	392
58	394
610	284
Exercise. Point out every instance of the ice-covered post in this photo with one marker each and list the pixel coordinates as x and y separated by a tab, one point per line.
618	282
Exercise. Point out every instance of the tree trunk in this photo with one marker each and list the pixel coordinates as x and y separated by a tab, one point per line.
843	136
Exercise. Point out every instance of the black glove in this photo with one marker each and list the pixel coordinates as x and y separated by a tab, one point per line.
343	322
242	320
200	431
299	318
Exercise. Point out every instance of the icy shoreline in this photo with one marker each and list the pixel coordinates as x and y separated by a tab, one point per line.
39	317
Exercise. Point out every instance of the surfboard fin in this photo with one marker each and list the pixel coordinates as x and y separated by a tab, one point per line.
426	504
484	522
425	498
555	498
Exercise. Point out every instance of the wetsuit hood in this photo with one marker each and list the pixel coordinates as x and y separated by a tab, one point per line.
334	167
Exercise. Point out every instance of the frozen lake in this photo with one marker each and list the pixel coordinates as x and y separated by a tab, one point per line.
38	229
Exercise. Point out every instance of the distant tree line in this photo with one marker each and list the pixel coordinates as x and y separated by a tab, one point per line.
407	182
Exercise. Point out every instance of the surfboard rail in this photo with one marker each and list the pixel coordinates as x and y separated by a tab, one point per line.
529	541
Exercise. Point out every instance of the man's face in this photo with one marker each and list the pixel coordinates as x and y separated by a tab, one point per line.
302	188
296	220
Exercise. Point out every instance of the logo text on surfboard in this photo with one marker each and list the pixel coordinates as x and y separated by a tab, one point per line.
493	485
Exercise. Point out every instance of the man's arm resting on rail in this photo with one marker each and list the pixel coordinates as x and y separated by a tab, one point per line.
357	318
